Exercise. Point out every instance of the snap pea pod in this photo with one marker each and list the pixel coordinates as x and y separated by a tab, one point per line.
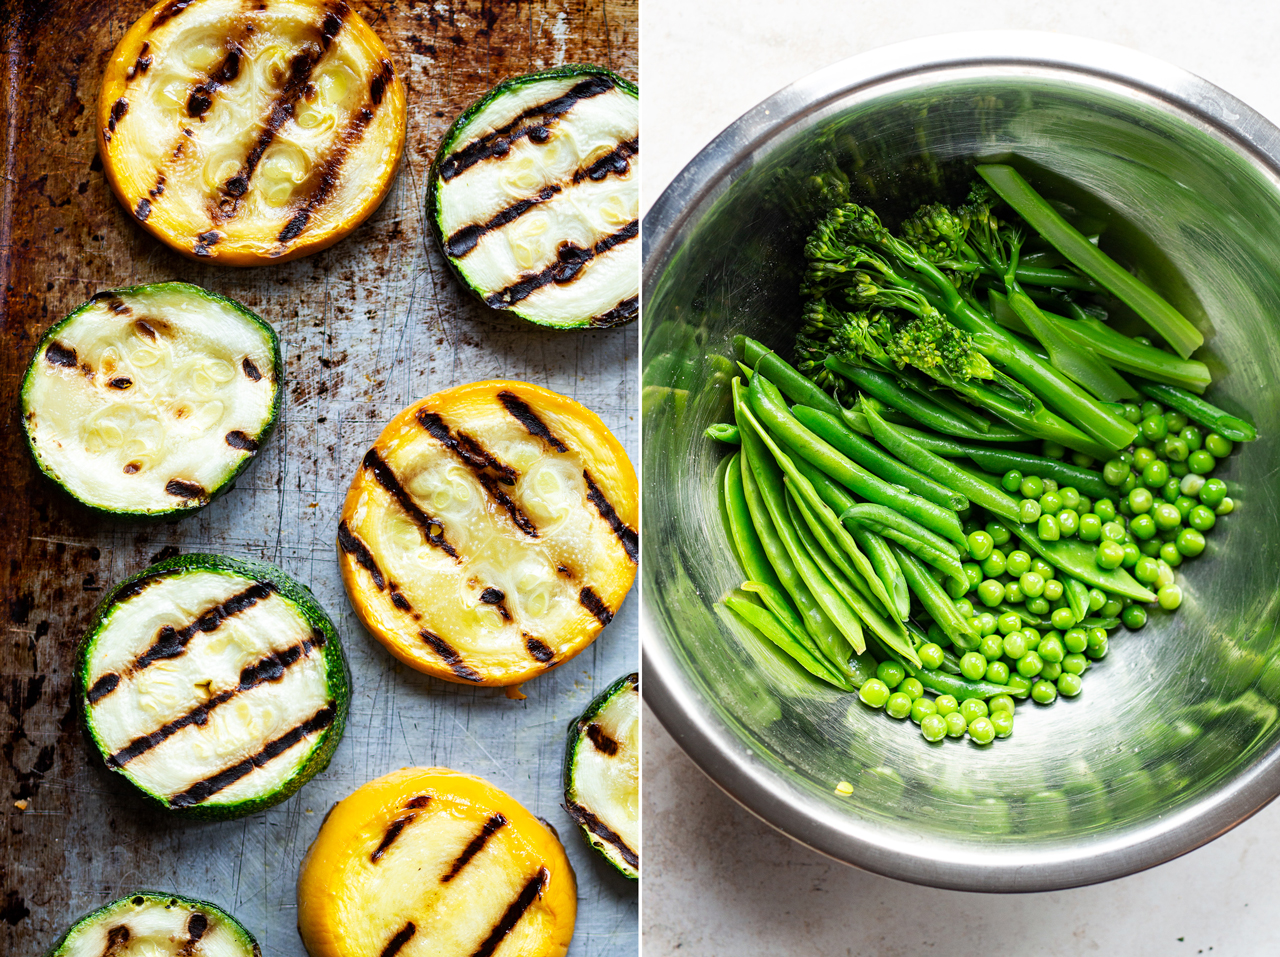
950	662
874	459
1198	410
794	385
1077	597
1023	615
1000	461
959	687
935	601
800	512
723	432
921	542
944	445
838	499
1107	623
1089	259
887	390
767	402
939	469
763	621
833	596
751	553
1076	558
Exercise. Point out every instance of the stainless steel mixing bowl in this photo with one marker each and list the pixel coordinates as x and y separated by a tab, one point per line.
1174	739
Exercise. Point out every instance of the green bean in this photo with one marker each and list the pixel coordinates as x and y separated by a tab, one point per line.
1077	594
1048	222
874	459
794	385
763	621
916	539
767	402
887	390
998	461
939	469
802	513
1076	558
1198	410
935	601
723	432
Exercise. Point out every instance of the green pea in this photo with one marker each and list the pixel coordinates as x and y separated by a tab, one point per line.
1044	692
1015	645
1150	547
999	533
898	705
1031	486
1082	460
1062	618
1218	446
1043	568
1052	649
1028	511
1113	532
1105	509
1149	407
1169	597
912	688
1128	486
997	673
953	587
1171	490
1017	563
1002	723
1189	542
934	727
1075	664
991	647
1225	507
1201	517
874	693
1145	571
1193	437
921	708
1111	609
1051	503
1156	473
1053	589
1052	450
1038	606
931	656
1124	509
1086	505
1097	647
1131	555
993	566
1154	427
1142	457
1135	616
1011	480
1048	528
1178	469
1090	527
1032	637
1030	665
1068	523
980	545
956	725
946	704
1184	504
1170	555
1201	462
1176	449
1074	639
1140	501
991	593
1115	472
1019	687
973	708
891	673
1051	670
1109	555
973	665
1132	413
1097	598
1007	624
1069	685
1143	527
1032	584
982	731
985	623
1166	576
1167	516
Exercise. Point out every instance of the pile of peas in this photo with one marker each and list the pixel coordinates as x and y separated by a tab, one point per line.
1031	641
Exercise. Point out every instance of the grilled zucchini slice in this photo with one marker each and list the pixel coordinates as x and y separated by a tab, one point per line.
489	534
216	686
535	197
248	133
602	774
429	861
152	924
151	400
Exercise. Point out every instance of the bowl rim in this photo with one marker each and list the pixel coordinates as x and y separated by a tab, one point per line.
671	695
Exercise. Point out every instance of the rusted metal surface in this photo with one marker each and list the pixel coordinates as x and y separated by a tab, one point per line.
366	327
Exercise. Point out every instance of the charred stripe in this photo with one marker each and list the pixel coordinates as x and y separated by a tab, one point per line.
450	656
117	937
118	109
103	687
616	162
399	600
603	743
597	827
332	24
170	642
477	844
498	143
418	802
385	477
471	452
197	924
624	311
203	790
142	210
59	355
399	940
201	97
518	516
519	410
142	64
623	532
398	825
169	11
120	382
538	649
238	440
181	488
205	242
358	550
592	603
250	369
568	266
468	237
515	910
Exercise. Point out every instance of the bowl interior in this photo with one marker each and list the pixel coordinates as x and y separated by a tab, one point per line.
1178	710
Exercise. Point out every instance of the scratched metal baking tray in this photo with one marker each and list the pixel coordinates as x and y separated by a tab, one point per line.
366	327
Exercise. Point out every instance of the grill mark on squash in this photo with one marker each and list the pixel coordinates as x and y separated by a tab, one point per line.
181	488
475	846
624	311
498	143
540	651
117	937
472	454
203	790
624	533
597	827
353	546
520	410
592	603
401	938
571	259
387	478
168	12
497	598
270	668
250	370
238	440
59	355
603	743
171	643
197	924
450	656
142	64
120	382
201	96
103	687
617	162
515	910
518	516
468	237
398	825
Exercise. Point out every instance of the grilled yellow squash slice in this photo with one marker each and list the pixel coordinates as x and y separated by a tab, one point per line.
147	924
248	133
428	862
489	534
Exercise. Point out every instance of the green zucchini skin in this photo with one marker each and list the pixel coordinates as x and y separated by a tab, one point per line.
450	140
141	897
230	480
338	675
627	684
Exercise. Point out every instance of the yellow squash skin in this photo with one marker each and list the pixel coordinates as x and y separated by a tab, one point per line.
429	861
489	534
245	133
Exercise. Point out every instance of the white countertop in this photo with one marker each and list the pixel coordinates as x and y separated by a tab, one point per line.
719	882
